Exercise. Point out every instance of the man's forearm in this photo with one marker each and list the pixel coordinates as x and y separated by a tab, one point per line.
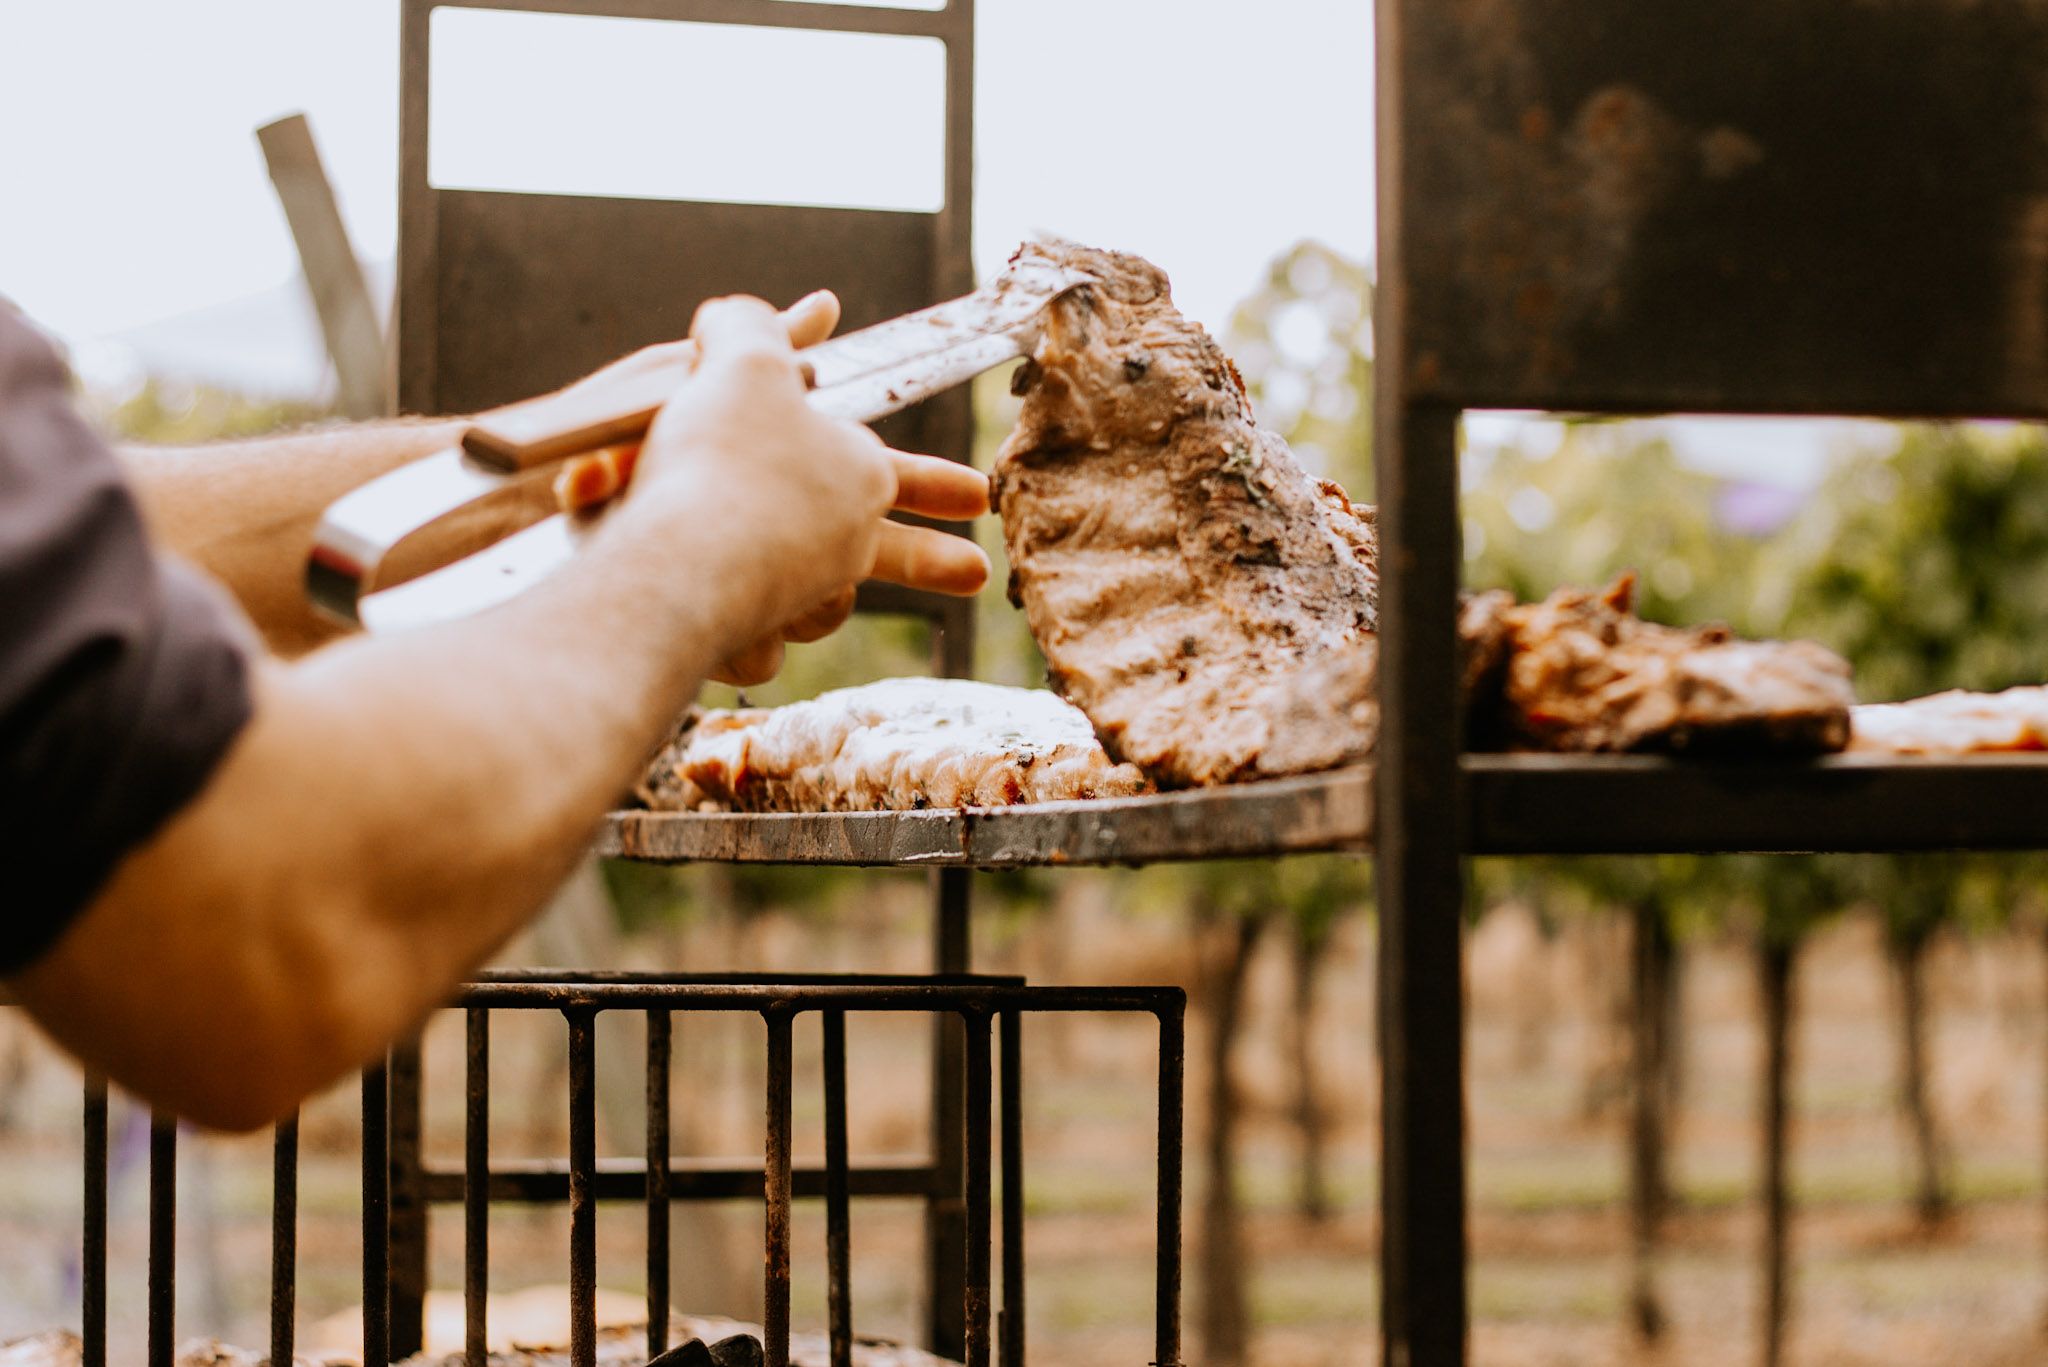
245	511
399	806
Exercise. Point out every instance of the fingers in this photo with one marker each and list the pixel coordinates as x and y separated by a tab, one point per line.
932	486
822	620
755	665
926	558
811	319
739	331
589	480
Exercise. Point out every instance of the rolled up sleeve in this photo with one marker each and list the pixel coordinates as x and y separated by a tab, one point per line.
124	677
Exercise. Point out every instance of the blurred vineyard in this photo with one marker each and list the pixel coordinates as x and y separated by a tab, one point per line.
1733	1109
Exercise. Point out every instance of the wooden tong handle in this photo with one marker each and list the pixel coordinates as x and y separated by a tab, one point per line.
588	417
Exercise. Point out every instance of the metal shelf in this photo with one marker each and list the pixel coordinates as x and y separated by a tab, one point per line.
1284	816
1516	804
1622	804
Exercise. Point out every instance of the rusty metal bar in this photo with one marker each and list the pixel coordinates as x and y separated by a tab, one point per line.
582	1199
776	1186
815	16
376	1219
980	1101
1418	868
1010	1324
838	1221
93	1254
476	1197
922	995
546	1182
660	1041
1172	1103
163	1237
408	1222
284	1239
945	1212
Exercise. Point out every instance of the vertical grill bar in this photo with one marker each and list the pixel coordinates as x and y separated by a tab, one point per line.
838	1222
163	1236
476	1186
660	1031
945	1217
776	1184
407	1223
376	1220
284	1240
93	1309
1172	1064
582	1189
1010	1325
979	1101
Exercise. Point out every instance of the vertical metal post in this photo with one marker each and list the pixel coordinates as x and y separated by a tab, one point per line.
476	1185
946	1207
979	1158
1419	870
414	323
838	1216
1173	1050
409	1210
284	1240
163	1237
776	1187
376	1219
660	1039
949	430
1010	1324
582	1189
1417	794
93	1256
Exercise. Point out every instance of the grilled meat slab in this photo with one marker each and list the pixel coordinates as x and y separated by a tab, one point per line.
897	745
1579	672
1199	595
1955	723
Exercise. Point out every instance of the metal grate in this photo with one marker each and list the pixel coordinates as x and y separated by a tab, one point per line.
990	1011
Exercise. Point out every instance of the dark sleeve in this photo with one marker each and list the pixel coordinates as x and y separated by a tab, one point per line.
123	676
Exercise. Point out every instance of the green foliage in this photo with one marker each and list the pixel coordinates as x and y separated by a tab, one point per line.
174	415
1303	342
1928	570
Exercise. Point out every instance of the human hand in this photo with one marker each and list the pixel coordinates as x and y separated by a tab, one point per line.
799	496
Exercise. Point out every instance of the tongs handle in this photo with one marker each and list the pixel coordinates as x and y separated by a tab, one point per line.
859	376
588	418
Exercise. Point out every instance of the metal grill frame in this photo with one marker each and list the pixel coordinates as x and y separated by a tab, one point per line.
464	279
1603	207
990	1011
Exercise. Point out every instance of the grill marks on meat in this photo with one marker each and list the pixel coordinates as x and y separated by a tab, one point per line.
897	745
1578	672
1200	596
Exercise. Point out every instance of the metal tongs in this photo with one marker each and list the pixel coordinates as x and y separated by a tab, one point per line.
862	376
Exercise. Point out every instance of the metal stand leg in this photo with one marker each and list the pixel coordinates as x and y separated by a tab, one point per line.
408	1207
1421	895
946	1210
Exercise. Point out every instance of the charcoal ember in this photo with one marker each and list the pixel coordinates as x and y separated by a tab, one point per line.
741	1350
1581	673
1194	590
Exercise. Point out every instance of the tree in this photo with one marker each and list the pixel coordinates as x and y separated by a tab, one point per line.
1928	569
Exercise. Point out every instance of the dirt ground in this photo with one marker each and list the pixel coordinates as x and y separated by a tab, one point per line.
1550	1275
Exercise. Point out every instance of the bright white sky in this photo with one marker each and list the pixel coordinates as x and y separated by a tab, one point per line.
1206	135
1203	134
